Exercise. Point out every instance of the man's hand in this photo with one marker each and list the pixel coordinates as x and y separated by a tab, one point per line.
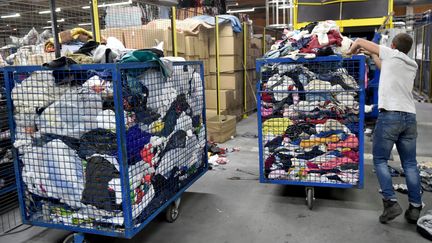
361	50
368	46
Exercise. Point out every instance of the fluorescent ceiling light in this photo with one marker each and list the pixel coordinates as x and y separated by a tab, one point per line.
49	11
58	21
46	27
110	4
84	24
11	16
241	10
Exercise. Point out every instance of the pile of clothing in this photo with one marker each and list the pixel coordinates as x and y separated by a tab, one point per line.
73	149
310	128
426	175
315	39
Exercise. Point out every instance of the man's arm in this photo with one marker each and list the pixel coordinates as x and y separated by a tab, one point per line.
369	46
377	60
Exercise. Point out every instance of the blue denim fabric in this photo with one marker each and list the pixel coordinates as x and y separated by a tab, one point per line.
400	128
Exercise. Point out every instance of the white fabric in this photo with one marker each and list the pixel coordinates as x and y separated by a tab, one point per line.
36	91
321	30
398	72
56	171
73	114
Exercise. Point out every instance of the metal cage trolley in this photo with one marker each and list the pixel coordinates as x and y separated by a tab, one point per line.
103	149
310	122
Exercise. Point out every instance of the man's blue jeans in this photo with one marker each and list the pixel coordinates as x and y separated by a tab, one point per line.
400	128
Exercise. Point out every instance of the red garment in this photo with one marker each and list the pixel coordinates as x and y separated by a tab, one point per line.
313	46
139	194
335	162
352	155
269	162
266	97
146	154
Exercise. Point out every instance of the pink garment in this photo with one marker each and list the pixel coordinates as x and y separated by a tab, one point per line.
312	165
352	155
335	162
313	46
350	142
266	111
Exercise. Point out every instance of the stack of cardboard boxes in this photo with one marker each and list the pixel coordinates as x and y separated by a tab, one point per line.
203	47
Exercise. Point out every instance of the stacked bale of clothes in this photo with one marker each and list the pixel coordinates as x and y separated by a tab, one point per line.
310	125
73	148
315	39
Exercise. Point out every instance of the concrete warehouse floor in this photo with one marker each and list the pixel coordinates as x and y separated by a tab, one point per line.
229	205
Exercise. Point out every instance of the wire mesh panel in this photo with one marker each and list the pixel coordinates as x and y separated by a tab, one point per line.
26	29
104	148
9	215
311	121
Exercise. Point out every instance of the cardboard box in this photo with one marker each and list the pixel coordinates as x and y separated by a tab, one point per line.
224	30
232	81
221	128
227	46
202	49
191	44
226	99
142	37
226	64
114	32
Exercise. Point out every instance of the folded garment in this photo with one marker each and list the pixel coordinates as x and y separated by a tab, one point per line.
351	142
276	126
316	141
336	162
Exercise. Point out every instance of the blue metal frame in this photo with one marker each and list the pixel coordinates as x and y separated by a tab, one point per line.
262	62
115	69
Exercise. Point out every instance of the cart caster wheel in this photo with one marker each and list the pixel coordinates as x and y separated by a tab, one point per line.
172	212
310	197
75	238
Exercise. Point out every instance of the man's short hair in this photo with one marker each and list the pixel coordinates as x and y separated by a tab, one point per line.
403	42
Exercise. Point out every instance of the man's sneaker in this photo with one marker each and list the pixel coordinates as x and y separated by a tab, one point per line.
412	214
392	209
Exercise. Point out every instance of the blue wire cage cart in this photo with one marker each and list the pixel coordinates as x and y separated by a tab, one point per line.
103	149
310	122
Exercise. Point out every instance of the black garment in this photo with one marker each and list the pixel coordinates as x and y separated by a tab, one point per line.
166	188
349	166
59	62
179	106
147	117
196	121
274	143
279	106
285	160
98	141
135	95
335	178
293	131
309	27
87	48
72	78
325	51
72	143
315	152
158	52
177	140
99	172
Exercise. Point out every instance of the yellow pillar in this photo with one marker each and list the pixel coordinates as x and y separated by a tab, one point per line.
174	30
96	26
217	65
245	29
